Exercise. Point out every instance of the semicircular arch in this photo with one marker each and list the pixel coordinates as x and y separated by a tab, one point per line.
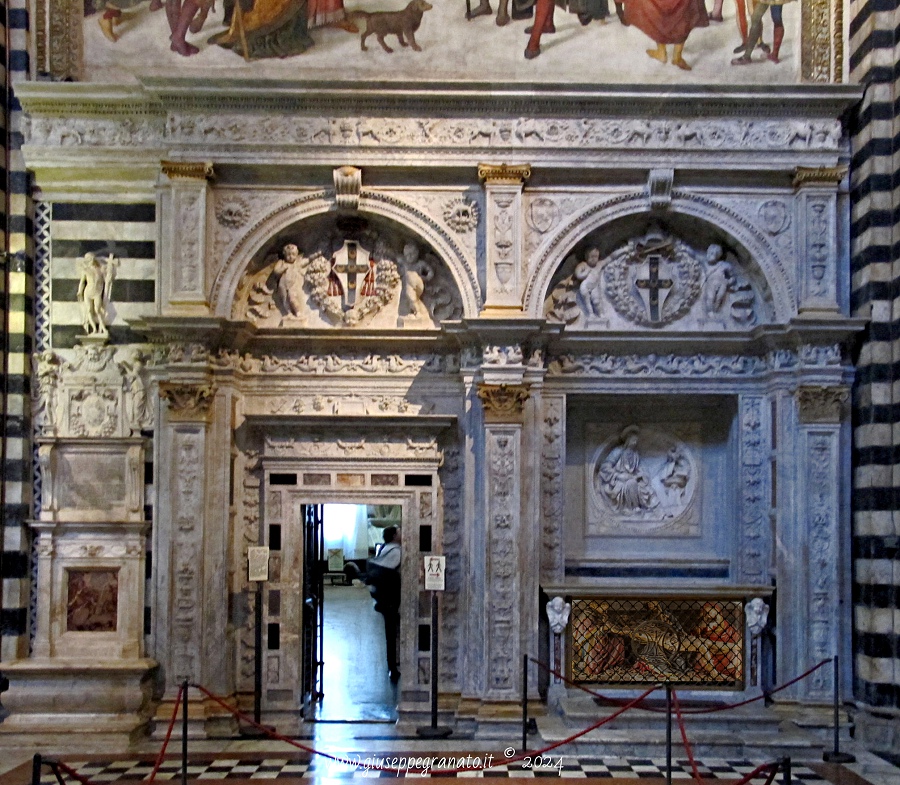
318	203
729	222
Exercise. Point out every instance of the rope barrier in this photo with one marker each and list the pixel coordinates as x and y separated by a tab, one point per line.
162	750
684	738
709	710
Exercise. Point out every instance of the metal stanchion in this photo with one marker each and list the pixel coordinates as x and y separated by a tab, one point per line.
36	764
434	731
836	756
786	769
668	734
524	702
184	731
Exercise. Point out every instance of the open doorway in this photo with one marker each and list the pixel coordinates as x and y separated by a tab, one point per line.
356	686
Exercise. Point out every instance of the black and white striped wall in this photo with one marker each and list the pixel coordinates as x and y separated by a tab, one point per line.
17	299
875	177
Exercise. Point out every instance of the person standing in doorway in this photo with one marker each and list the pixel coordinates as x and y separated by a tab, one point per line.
383	578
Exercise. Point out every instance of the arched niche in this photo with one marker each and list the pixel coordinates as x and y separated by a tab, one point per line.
419	276
717	273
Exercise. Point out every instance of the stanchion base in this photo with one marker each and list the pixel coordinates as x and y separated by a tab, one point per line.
428	732
251	732
838	757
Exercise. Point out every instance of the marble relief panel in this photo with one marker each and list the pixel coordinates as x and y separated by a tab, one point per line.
92	600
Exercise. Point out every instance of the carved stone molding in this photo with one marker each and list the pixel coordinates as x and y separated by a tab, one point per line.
503	403
187	170
822	404
659	188
187	402
347	186
821	176
504	174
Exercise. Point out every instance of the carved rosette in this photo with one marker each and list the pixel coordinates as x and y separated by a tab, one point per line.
503	403
187	402
822	404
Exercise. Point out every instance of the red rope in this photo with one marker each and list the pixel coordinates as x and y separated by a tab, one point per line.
434	772
684	738
709	710
162	751
71	772
771	767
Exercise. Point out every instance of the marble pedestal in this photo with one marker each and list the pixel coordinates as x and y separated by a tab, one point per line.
109	700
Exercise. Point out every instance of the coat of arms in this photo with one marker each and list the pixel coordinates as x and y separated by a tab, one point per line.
653	280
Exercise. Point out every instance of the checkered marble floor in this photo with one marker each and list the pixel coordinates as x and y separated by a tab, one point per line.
223	767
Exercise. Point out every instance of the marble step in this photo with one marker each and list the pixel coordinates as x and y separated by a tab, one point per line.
724	742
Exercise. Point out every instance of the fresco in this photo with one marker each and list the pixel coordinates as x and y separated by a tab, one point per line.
92	601
577	41
640	641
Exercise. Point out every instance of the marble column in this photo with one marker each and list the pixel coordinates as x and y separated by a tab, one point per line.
820	540
504	274
501	486
818	239
183	202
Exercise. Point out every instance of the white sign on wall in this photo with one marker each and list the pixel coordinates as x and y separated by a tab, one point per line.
435	567
258	563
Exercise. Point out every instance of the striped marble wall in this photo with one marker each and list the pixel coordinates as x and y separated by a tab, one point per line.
18	331
876	286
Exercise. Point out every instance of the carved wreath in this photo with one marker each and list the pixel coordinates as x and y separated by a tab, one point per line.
386	279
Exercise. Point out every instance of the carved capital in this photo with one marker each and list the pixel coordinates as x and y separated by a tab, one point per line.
805	176
347	186
503	403
822	404
187	402
503	174
187	170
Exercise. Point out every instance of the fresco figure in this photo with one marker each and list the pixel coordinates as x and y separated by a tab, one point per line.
667	22
754	36
270	28
112	16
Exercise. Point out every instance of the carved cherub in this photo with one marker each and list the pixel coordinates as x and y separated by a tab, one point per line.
558	611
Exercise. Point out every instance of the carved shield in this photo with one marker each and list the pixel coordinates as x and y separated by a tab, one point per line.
774	216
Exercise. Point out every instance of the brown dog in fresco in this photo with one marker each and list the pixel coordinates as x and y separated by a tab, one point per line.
402	24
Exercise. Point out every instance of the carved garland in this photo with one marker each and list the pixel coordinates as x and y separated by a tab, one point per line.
386	280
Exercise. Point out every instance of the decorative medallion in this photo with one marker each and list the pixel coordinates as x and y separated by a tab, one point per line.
774	216
461	215
653	280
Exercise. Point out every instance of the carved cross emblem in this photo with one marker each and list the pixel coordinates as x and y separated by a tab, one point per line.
653	285
348	263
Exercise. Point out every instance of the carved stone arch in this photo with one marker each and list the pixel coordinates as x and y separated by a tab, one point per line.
744	236
318	203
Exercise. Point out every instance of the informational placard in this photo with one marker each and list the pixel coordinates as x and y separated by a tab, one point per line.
258	563
435	567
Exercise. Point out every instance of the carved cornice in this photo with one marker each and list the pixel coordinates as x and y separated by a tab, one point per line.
503	403
187	170
819	175
503	174
822	404
187	402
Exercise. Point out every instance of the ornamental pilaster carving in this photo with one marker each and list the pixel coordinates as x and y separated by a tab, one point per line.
817	218
755	494
822	50
503	403
553	463
185	201
822	405
503	191
187	402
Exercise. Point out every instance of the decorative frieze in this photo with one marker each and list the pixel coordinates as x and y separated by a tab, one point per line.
503	403
394	445
187	402
822	404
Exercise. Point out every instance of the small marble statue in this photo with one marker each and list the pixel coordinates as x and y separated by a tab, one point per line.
95	292
757	613
46	371
558	611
